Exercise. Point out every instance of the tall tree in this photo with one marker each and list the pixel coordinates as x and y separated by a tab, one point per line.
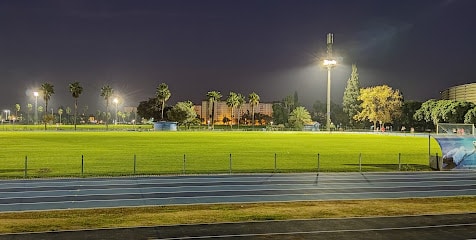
213	96
470	116
253	99
241	101
106	93
350	101
148	109
162	93
289	102
279	113
425	112
296	99
282	109
299	117
319	113
183	113
232	101
379	104
407	120
48	90
76	90
449	111
457	111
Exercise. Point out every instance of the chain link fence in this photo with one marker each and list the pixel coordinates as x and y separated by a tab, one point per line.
215	163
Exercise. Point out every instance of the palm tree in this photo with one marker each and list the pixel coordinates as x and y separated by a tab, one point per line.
254	101
106	92
48	90
213	96
232	101
75	89
299	117
162	94
241	101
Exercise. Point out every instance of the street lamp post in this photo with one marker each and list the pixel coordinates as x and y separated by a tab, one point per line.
6	114
36	107
329	63
115	101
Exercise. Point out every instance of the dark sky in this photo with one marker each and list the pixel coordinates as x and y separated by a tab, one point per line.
267	46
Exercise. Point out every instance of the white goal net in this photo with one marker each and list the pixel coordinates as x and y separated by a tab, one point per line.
455	129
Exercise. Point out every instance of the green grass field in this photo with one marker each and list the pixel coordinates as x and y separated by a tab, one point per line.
59	154
114	153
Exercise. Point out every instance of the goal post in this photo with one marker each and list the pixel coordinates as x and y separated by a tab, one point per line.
455	129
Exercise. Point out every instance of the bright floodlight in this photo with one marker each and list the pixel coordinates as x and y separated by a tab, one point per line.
115	100
329	62
35	94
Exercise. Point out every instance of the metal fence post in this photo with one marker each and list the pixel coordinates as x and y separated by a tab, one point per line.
230	163
82	165
134	164
183	170
318	163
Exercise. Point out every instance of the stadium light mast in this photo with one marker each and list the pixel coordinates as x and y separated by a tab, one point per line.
115	101
329	63
35	93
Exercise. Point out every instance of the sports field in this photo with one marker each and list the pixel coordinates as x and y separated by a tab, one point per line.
113	153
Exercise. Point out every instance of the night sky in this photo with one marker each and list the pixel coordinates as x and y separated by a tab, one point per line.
271	47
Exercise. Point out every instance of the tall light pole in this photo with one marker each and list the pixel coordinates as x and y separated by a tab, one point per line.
329	63
36	107
6	114
115	101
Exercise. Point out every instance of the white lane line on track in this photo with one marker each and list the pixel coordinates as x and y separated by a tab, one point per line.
142	191
320	184
323	231
464	192
132	181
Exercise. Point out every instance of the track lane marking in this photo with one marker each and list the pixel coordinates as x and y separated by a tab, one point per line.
322	231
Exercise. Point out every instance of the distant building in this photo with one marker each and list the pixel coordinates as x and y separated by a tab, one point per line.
465	92
222	110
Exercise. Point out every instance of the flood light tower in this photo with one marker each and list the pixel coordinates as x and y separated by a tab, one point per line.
329	63
115	101
35	93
